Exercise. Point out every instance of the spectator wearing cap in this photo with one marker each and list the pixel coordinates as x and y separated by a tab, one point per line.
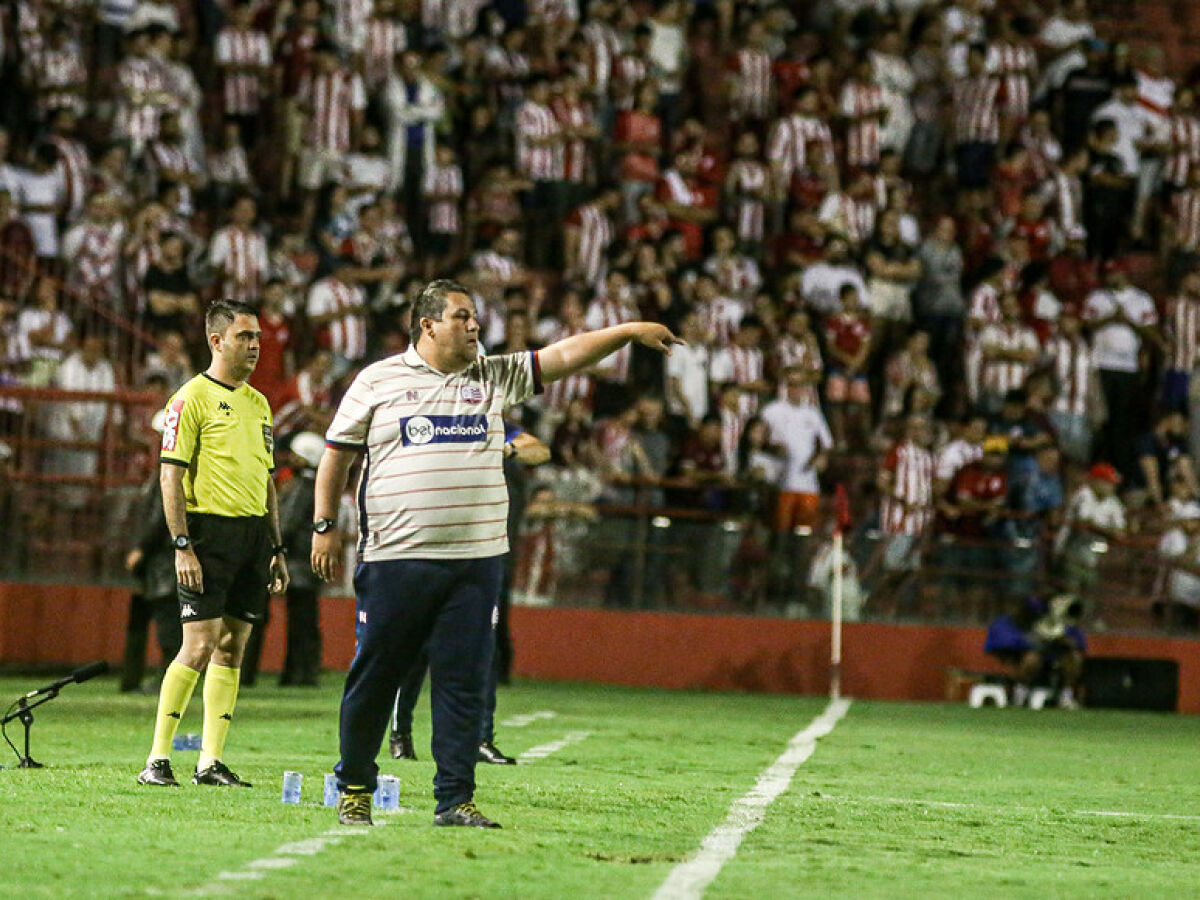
1095	515
971	514
1121	318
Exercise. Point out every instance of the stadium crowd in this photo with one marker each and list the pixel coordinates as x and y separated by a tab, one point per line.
917	233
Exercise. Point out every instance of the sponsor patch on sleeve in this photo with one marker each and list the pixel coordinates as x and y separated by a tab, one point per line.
170	435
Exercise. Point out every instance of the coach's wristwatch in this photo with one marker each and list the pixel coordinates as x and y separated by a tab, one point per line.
322	526
181	542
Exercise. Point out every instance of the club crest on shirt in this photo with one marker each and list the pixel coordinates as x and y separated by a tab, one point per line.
418	430
472	393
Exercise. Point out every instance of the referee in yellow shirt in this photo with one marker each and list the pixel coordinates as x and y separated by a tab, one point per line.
217	458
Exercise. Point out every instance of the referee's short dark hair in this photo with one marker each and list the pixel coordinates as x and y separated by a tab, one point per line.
431	303
221	313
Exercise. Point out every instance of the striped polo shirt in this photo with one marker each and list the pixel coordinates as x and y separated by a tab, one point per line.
432	483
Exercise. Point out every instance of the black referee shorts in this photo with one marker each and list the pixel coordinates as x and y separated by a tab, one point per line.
235	558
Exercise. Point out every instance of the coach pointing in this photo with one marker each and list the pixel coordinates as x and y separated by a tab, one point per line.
432	509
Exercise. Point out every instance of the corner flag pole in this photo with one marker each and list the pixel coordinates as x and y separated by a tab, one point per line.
841	507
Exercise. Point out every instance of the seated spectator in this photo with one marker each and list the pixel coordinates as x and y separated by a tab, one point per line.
1163	452
1044	646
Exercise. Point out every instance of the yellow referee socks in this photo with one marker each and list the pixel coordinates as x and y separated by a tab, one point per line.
177	686
220	697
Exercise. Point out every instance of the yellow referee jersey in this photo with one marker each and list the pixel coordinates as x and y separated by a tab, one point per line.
223	436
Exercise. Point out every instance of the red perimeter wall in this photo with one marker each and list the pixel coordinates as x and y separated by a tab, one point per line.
66	625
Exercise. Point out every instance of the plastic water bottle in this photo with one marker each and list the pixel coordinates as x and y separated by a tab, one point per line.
291	786
387	792
186	742
331	791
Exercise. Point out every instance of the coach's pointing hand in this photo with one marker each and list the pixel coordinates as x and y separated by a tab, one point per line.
657	337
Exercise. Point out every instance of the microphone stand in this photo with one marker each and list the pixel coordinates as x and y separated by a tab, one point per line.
24	714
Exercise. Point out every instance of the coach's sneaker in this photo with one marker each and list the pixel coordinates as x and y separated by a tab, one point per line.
401	745
218	774
158	773
354	808
467	814
490	753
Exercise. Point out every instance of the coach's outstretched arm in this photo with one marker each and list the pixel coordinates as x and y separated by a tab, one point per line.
580	351
332	474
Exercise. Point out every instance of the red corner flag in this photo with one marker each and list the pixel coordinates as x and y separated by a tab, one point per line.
841	508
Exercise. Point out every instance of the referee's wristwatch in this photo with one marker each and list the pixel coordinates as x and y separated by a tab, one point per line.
324	526
181	542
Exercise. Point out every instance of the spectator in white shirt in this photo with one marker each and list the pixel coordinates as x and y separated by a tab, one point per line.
687	373
802	436
1095	515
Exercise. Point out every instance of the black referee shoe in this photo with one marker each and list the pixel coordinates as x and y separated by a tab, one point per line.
158	773
401	746
490	753
218	774
466	814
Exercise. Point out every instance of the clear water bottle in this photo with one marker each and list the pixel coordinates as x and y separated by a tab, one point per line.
331	791
186	742
387	793
291	786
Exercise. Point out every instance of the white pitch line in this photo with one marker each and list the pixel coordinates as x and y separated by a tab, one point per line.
520	721
950	804
690	878
544	750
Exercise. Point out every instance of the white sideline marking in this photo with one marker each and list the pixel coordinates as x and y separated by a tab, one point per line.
541	752
283	857
528	718
950	804
689	879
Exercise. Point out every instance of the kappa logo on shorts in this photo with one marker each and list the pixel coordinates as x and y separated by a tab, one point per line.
187	611
418	430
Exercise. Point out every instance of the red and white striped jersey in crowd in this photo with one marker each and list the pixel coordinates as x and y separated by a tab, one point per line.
94	252
1184	332
736	275
732	424
554	10
1067	201
1015	66
243	57
310	393
493	266
559	393
604	48
60	79
788	143
137	264
721	318
138	77
443	189
907	508
954	456
752	84
241	262
385	38
792	353
347	333
999	376
861	103
174	157
1045	152
577	115
984	308
334	97
74	169
1184	151
604	312
1187	220
350	23
854	219
596	234
741	365
977	110
629	71
1071	362
749	182
544	162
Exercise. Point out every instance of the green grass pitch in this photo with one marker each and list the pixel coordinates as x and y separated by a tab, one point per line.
901	800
